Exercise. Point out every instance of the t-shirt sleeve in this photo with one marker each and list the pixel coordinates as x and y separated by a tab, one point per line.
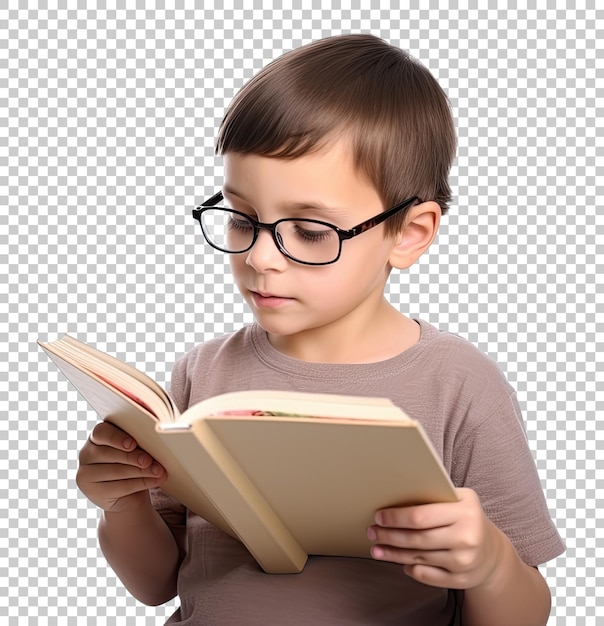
497	463
174	515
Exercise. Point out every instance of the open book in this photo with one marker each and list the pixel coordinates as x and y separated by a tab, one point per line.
289	474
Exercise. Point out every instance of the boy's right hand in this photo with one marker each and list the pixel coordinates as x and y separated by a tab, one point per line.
114	473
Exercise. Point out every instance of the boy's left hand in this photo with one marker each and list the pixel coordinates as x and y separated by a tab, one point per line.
452	544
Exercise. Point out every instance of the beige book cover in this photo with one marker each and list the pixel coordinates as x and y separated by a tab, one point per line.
289	474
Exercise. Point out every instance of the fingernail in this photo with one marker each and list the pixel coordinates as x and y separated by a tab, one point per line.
156	469
128	442
377	552
142	459
371	534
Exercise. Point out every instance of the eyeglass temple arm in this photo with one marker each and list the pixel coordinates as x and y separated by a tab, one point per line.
215	199
374	221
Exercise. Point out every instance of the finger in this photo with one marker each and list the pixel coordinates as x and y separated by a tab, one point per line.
430	515
419	517
95	454
458	563
432	558
106	434
440	538
109	472
108	492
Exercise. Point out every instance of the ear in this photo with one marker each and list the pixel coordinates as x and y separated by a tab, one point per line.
416	235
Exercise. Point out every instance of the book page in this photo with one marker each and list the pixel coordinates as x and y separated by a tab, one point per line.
291	403
99	355
117	375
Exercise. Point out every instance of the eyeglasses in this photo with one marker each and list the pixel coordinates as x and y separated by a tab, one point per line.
310	242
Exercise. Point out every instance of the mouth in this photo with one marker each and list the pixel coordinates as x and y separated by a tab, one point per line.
268	300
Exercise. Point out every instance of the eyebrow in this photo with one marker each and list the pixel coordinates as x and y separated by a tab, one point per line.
293	206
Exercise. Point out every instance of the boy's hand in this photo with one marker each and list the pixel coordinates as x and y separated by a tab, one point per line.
452	545
114	473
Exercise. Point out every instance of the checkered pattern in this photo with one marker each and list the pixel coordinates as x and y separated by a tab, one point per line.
107	120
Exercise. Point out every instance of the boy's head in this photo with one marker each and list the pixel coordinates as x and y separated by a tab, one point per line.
359	89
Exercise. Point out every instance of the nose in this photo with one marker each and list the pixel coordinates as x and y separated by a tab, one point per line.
264	255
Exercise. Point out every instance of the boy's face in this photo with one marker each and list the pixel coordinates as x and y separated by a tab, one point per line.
304	308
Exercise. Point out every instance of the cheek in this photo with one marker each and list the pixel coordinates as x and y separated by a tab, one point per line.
324	290
237	263
333	291
366	263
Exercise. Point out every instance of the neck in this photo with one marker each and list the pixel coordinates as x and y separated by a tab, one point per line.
388	334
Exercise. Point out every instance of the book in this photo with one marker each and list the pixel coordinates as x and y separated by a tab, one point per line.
288	474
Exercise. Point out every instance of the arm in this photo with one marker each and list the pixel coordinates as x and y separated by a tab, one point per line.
116	475
454	545
142	551
515	594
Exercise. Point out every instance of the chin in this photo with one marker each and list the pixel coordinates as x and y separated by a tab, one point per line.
274	327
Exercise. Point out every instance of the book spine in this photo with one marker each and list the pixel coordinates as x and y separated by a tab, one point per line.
235	497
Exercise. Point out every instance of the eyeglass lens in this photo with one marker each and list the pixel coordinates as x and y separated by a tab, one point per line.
303	240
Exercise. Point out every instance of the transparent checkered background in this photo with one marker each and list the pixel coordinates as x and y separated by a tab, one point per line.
107	120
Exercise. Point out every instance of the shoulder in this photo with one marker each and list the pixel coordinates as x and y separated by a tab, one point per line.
453	358
467	386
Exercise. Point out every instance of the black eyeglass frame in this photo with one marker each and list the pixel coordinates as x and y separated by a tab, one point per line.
343	235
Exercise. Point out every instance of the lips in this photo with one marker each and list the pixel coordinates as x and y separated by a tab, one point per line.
268	300
266	294
262	294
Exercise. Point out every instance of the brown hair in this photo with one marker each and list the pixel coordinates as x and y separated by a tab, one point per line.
358	87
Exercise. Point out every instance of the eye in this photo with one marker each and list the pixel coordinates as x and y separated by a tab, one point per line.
311	232
239	222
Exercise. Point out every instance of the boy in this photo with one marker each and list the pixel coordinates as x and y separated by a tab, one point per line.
317	148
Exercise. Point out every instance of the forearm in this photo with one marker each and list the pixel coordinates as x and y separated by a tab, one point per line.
516	594
143	553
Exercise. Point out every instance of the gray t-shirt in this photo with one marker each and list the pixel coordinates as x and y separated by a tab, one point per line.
468	410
